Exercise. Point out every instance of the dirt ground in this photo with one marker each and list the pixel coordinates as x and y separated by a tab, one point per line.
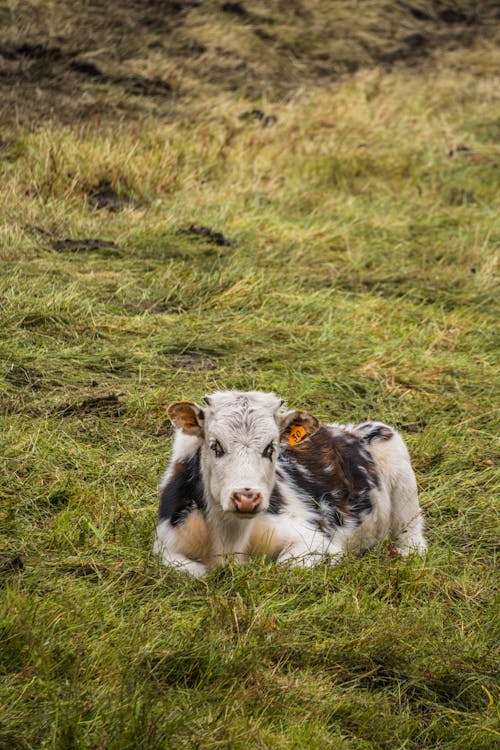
87	61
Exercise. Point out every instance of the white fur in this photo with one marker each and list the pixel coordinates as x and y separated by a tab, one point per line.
401	509
243	441
303	543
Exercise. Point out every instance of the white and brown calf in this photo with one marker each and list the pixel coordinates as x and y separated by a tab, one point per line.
246	478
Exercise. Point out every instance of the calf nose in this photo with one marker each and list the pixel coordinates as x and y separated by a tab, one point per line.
246	501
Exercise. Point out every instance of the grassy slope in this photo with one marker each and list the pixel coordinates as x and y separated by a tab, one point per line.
362	285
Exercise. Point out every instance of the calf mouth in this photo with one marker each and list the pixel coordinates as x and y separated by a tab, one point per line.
247	514
246	502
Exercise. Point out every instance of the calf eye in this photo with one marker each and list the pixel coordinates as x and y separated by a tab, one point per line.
269	451
217	448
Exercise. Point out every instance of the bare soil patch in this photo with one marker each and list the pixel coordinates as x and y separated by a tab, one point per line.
210	235
85	246
81	61
109	405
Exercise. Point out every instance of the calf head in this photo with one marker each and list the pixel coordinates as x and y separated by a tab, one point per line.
240	434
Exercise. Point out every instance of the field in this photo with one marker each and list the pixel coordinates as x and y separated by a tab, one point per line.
299	197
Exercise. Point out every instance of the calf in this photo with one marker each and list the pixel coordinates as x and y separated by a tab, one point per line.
247	478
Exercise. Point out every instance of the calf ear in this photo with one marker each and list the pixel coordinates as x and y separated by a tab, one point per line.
297	425
186	416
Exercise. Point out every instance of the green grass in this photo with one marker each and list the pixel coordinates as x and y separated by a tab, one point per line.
360	283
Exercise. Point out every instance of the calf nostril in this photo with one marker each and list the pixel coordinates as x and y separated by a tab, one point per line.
246	501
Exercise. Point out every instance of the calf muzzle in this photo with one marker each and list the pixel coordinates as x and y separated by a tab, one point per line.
246	501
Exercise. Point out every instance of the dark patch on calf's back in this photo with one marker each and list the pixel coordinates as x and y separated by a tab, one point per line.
336	471
183	491
373	431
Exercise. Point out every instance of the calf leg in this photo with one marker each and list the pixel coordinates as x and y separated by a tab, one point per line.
306	547
183	546
393	463
406	518
411	537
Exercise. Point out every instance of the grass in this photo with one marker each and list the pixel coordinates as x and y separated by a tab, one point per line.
359	282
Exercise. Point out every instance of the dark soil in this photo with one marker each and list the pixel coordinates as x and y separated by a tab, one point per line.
24	377
78	61
104	196
257	115
84	246
10	563
109	405
216	238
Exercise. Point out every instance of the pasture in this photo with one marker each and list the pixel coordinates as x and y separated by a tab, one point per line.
252	196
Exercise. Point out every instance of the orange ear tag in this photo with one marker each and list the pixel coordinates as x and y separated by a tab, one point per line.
297	432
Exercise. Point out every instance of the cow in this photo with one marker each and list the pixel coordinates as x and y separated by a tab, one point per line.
247	477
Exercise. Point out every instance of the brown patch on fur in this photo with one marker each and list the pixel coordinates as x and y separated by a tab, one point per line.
336	464
385	433
193	538
265	541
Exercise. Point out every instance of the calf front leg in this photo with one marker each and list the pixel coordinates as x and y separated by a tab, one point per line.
183	546
306	547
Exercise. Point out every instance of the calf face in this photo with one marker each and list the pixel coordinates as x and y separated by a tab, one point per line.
239	436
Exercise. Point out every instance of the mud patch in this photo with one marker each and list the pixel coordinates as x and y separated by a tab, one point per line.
136	85
151	11
109	405
24	377
59	498
37	62
86	246
206	233
26	63
141	86
236	9
105	196
86	68
257	115
91	65
453	15
33	52
411	428
10	564
189	358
